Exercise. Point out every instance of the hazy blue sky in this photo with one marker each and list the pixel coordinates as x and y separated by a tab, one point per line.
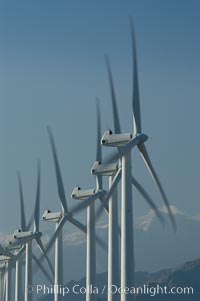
52	68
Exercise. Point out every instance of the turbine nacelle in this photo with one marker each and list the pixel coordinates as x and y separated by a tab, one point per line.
51	216
79	193
110	139
19	234
23	237
104	169
4	258
11	247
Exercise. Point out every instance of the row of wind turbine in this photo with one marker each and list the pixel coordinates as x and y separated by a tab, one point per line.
118	168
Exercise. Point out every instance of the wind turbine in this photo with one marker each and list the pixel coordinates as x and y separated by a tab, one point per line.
114	173
125	143
91	243
58	262
109	170
60	218
26	237
16	250
24	227
81	194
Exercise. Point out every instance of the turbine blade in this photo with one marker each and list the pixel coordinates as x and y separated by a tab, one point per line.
101	243
1	250
22	210
109	194
145	156
83	228
148	199
99	149
113	97
60	186
78	224
42	250
37	201
30	222
106	207
42	269
136	96
114	156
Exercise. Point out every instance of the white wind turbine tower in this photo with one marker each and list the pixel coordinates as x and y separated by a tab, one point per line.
18	278
2	282
60	218
26	238
2	273
125	143
18	272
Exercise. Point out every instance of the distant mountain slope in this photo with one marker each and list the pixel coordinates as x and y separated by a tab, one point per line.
186	275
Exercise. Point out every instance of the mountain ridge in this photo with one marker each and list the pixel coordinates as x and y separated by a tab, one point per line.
186	275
